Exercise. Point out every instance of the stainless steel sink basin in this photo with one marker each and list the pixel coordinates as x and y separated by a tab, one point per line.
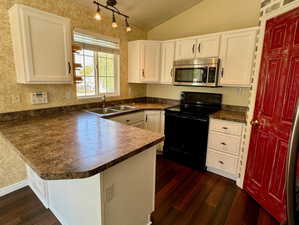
122	107
110	110
103	111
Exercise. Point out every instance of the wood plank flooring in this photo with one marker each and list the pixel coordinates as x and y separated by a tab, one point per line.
183	197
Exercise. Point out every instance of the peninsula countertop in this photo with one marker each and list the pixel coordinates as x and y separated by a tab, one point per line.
75	144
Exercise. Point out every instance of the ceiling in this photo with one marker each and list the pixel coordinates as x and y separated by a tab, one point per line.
147	14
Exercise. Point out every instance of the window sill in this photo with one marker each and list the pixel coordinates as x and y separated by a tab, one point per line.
96	97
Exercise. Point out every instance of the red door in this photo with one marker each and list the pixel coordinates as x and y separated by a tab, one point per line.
278	90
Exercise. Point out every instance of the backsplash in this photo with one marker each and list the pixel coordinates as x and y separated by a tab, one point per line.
59	95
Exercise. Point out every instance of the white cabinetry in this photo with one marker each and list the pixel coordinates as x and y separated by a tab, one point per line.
153	120
134	119
204	46
167	59
39	186
144	61
42	45
224	145
185	49
237	53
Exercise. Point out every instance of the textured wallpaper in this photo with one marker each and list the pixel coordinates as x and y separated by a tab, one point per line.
11	167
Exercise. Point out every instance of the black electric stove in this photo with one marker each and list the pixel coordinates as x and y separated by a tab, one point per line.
186	128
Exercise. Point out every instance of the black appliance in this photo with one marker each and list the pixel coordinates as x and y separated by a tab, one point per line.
292	173
186	128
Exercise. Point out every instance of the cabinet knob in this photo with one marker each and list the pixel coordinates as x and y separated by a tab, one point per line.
224	128
221	162
254	122
223	143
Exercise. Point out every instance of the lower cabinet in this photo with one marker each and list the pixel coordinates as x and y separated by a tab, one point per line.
152	120
224	144
135	118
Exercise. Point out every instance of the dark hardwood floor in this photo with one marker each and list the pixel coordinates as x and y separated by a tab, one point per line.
183	197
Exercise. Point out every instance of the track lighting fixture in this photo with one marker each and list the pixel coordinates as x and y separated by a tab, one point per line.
111	5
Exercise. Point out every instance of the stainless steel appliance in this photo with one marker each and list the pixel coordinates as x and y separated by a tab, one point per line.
292	173
201	72
186	128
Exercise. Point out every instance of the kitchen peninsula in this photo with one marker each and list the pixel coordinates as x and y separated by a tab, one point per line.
87	169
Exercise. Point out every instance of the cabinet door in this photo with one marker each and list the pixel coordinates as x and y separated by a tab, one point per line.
134	62
208	46
42	46
168	50
151	56
185	49
237	52
152	121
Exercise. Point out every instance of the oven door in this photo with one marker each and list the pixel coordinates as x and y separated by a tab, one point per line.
195	75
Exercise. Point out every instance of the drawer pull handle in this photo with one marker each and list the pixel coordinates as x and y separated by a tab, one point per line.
223	143
221	162
225	128
128	121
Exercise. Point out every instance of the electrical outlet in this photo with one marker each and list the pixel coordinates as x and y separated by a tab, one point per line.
109	193
15	99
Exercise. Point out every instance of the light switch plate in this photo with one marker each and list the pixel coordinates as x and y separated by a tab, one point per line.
39	97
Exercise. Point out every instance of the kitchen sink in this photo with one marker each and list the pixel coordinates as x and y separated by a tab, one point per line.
122	107
111	110
103	111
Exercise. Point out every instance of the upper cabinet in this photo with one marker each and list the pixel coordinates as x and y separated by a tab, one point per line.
152	61
144	61
237	54
204	46
42	44
167	59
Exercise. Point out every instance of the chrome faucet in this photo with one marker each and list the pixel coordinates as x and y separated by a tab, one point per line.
104	101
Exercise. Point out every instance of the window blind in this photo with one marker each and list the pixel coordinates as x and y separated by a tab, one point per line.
89	42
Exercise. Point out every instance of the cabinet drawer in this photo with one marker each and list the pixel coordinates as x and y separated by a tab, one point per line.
222	161
129	119
224	143
226	127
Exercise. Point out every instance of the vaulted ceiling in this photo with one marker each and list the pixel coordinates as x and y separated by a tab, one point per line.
147	14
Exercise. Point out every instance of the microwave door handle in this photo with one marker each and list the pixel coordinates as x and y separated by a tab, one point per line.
291	168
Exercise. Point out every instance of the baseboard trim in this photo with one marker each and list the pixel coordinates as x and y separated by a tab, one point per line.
222	173
11	188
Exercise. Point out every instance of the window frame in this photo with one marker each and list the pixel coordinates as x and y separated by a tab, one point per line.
116	63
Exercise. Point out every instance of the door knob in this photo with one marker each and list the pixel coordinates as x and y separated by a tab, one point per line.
255	122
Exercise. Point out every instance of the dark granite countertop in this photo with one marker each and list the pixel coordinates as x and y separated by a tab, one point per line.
75	144
230	116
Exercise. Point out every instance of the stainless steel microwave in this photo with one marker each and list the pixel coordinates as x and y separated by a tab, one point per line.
202	72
